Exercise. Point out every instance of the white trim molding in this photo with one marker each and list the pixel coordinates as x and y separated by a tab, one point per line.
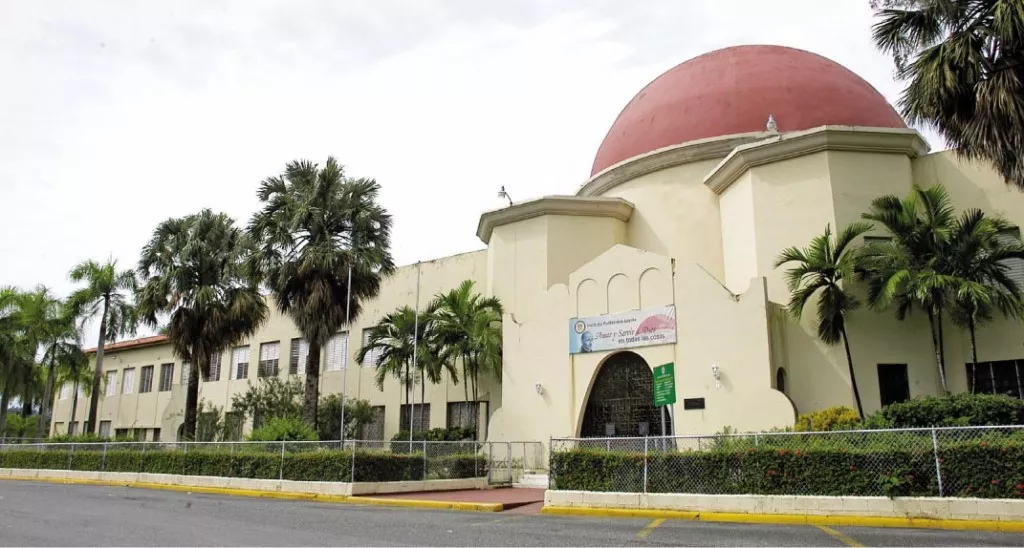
616	208
784	146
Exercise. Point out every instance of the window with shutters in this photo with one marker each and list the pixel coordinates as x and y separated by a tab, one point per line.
420	418
299	354
270	354
128	381
372	357
1015	269
337	352
146	381
214	374
240	361
166	376
999	377
111	383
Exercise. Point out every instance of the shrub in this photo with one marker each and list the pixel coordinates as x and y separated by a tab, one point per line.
832	418
309	465
953	410
284	429
436	434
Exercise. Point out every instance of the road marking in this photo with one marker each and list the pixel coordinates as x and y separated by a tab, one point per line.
839	536
500	520
650	527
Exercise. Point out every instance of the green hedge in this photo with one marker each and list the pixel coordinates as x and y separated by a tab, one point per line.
969	469
953	410
310	465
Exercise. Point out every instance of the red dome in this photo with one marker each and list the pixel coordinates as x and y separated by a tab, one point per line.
733	90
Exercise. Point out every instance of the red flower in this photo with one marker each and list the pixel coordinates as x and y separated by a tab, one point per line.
1020	486
983	444
852	467
771	472
995	482
796	452
910	476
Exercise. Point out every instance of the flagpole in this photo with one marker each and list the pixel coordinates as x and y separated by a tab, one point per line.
348	337
415	347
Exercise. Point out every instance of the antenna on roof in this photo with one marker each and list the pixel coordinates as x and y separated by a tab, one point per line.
503	194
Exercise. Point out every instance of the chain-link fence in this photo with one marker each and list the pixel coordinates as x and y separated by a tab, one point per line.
363	461
509	460
952	462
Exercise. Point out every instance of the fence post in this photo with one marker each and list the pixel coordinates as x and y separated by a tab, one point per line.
490	462
103	460
938	467
142	459
645	464
70	453
757	440
352	474
508	464
424	458
551	448
280	474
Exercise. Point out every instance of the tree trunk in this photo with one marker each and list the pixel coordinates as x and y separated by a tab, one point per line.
26	412
936	345
44	411
97	375
74	406
192	394
423	392
974	355
465	379
309	406
853	376
5	400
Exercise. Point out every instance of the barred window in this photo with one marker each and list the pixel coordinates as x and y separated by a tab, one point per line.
463	414
999	377
166	376
298	357
270	354
421	418
214	375
240	360
146	382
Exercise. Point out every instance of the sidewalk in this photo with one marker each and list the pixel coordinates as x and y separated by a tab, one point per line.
523	500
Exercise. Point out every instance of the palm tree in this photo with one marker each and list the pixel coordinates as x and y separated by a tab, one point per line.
75	372
912	270
107	292
194	274
16	358
323	248
977	254
964	60
469	328
823	268
394	338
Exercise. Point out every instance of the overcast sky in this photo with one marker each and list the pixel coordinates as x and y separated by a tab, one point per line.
117	115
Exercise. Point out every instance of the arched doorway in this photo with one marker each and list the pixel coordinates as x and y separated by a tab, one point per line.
621	402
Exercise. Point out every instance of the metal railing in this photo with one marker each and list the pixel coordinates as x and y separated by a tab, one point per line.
946	462
355	460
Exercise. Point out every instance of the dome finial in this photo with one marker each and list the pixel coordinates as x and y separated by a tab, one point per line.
772	126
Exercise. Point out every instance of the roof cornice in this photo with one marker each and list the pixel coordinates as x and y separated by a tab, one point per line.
615	208
662	158
784	146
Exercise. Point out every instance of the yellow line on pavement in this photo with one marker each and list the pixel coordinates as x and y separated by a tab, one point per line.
839	536
650	527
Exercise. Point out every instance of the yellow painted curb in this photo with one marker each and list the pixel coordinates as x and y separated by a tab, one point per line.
406	503
791	519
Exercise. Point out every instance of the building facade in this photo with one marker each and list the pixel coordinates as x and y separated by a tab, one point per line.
665	255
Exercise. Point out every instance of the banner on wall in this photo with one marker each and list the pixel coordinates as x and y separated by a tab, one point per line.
645	327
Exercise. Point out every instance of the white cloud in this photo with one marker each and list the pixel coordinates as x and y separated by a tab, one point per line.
118	115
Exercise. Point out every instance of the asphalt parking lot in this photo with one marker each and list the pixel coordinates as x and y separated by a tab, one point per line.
46	514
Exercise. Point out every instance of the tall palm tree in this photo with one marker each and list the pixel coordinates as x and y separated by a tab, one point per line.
912	271
16	358
323	248
469	328
824	268
107	293
75	372
964	60
393	338
194	274
977	255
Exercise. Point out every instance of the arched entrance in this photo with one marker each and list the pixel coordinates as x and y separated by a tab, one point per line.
621	403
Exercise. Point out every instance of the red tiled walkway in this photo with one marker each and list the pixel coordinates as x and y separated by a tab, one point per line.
509	496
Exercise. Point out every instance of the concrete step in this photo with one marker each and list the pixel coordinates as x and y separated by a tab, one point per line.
532	481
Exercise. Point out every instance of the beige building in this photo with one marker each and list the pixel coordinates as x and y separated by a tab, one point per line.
664	255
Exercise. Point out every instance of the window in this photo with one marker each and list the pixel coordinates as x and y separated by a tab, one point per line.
893	384
421	418
156	434
72	428
146	381
128	381
372	357
139	434
111	383
297	360
121	433
1016	266
58	428
65	391
780	379
186	370
374	430
233	425
240	360
104	429
166	376
270	354
1001	377
337	352
463	414
214	375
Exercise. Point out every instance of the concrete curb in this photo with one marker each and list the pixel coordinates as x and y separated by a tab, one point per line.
791	519
369	501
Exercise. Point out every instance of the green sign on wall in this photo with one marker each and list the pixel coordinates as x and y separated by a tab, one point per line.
665	384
